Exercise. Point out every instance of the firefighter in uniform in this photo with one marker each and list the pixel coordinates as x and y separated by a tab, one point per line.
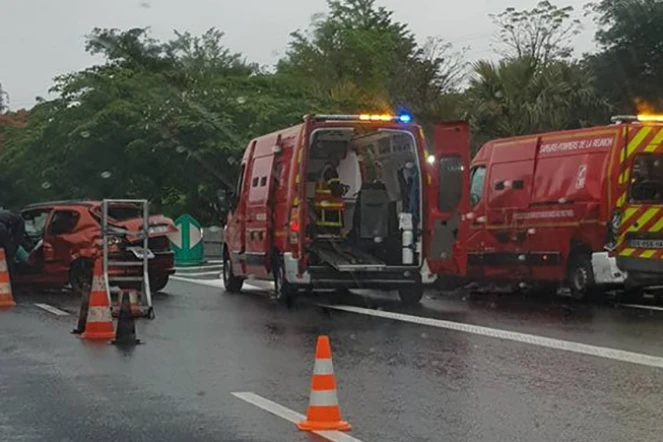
329	203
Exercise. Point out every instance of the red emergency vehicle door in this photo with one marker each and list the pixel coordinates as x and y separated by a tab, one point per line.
258	213
447	186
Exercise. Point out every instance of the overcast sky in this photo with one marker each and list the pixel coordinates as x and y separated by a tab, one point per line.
40	39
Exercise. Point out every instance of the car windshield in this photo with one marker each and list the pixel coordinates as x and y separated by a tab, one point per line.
124	213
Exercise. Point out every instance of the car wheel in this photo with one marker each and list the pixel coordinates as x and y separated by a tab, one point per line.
80	275
411	295
232	283
158	283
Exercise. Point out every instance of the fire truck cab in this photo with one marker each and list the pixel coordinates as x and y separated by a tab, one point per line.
349	202
580	208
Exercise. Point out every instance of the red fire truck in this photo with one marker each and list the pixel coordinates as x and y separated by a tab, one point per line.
578	208
349	201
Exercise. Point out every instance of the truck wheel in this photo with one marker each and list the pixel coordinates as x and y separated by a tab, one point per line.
411	295
580	277
284	292
232	283
80	275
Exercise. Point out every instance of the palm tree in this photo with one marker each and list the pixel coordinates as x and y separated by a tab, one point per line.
518	96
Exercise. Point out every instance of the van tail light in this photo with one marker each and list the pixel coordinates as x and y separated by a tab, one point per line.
294	225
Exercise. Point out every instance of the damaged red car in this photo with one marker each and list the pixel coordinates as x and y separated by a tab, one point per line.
64	239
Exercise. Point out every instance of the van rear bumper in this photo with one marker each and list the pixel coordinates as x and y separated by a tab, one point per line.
388	279
641	271
324	277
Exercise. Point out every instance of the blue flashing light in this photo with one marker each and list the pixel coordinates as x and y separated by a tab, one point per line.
405	118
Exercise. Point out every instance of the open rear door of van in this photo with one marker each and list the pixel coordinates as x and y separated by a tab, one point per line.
447	186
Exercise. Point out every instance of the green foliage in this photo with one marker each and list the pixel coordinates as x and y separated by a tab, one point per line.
169	121
629	68
516	97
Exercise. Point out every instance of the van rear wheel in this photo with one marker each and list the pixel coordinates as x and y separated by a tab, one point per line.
411	295
284	292
580	277
232	283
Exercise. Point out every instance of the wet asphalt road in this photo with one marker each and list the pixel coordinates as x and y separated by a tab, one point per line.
397	381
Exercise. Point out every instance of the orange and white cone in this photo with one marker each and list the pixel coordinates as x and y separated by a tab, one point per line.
324	413
99	324
6	297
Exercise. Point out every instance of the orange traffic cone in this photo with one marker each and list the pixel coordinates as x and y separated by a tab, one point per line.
99	324
6	297
323	411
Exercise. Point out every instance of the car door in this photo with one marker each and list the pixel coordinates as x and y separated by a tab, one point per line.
448	199
35	225
60	240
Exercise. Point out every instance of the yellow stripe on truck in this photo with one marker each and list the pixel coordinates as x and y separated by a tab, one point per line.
644	219
655	143
627	252
657	227
637	140
647	253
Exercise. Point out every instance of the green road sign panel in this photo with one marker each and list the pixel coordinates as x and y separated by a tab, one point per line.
187	242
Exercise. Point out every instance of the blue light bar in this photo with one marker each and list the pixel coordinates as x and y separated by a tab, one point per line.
405	118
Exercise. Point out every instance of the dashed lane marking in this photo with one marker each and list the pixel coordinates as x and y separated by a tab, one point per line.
643	307
290	416
557	344
51	309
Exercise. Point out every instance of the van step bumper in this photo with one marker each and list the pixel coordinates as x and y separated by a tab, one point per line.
641	271
390	278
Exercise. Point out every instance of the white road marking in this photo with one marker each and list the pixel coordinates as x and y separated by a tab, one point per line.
51	309
205	267
643	307
290	416
208	282
557	344
217	283
215	273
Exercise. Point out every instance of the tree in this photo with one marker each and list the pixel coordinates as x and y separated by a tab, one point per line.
515	97
358	58
629	67
541	34
162	121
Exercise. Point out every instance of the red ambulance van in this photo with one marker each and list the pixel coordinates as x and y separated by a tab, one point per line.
349	202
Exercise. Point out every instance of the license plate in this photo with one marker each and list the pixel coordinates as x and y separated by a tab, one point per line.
646	243
139	252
